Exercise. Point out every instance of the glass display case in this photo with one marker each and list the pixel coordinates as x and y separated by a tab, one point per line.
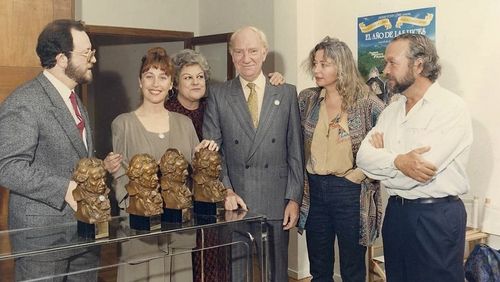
41	253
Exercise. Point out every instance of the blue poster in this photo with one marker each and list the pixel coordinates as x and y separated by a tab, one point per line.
375	33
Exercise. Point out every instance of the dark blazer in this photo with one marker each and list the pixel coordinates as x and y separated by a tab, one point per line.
39	148
264	165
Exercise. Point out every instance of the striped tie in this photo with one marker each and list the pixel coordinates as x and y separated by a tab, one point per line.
81	123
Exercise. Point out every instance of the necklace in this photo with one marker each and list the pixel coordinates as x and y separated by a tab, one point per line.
161	135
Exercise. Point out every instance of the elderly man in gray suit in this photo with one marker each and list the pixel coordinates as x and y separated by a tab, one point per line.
257	126
44	131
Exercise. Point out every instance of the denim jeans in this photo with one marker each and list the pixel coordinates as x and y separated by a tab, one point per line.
334	213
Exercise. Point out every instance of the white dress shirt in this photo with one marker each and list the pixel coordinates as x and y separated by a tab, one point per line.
64	91
439	120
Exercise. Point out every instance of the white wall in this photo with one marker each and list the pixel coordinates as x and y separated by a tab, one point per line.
221	16
469	55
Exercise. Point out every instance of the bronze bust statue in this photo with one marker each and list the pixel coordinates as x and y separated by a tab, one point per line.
206	184
174	170
144	198
91	193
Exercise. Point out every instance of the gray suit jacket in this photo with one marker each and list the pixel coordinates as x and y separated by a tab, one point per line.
264	165
39	148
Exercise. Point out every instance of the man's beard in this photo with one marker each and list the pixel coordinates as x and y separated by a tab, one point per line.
401	86
78	75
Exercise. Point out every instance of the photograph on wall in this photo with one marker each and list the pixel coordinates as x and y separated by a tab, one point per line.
374	34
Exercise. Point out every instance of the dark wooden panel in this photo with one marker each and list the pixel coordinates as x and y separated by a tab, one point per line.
19	32
12	77
7	266
64	9
4	208
124	35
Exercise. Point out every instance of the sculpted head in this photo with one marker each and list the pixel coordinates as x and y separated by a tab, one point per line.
90	175
207	162
174	166
143	170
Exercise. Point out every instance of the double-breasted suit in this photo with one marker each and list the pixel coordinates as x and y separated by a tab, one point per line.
263	165
39	147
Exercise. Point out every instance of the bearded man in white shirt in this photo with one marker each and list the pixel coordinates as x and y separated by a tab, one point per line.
419	150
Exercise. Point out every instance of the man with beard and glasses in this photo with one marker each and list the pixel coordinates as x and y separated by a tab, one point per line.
419	150
44	132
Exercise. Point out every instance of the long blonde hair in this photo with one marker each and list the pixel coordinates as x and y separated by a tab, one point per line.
350	83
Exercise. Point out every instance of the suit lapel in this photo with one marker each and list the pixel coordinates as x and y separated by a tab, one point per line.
64	117
240	108
270	105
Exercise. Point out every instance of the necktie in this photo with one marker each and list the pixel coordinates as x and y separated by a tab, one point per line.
81	123
252	104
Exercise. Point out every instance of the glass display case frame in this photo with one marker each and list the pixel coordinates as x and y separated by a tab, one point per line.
54	241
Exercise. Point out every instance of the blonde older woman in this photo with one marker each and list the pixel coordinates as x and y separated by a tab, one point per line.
336	115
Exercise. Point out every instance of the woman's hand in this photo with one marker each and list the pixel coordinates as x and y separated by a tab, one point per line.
112	162
276	78
210	144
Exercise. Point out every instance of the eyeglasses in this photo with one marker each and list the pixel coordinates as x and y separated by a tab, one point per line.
89	54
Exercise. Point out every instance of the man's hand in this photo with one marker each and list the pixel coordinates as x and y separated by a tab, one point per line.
377	140
232	201
210	144
112	162
275	78
234	215
69	195
291	215
413	165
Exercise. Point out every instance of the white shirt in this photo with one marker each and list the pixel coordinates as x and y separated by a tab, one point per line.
439	120
64	91
260	88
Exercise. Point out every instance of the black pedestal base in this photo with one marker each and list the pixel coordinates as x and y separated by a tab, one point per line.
176	216
205	208
95	231
205	219
145	222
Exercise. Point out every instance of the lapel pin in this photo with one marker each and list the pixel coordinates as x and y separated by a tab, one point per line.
277	102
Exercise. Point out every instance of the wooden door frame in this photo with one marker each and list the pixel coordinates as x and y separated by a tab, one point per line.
213	39
128	35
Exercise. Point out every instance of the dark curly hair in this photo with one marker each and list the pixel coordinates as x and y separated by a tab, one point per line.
55	39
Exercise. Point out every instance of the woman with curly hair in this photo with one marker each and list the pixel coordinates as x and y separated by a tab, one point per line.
339	201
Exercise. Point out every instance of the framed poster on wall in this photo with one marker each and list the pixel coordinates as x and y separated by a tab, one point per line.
376	31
